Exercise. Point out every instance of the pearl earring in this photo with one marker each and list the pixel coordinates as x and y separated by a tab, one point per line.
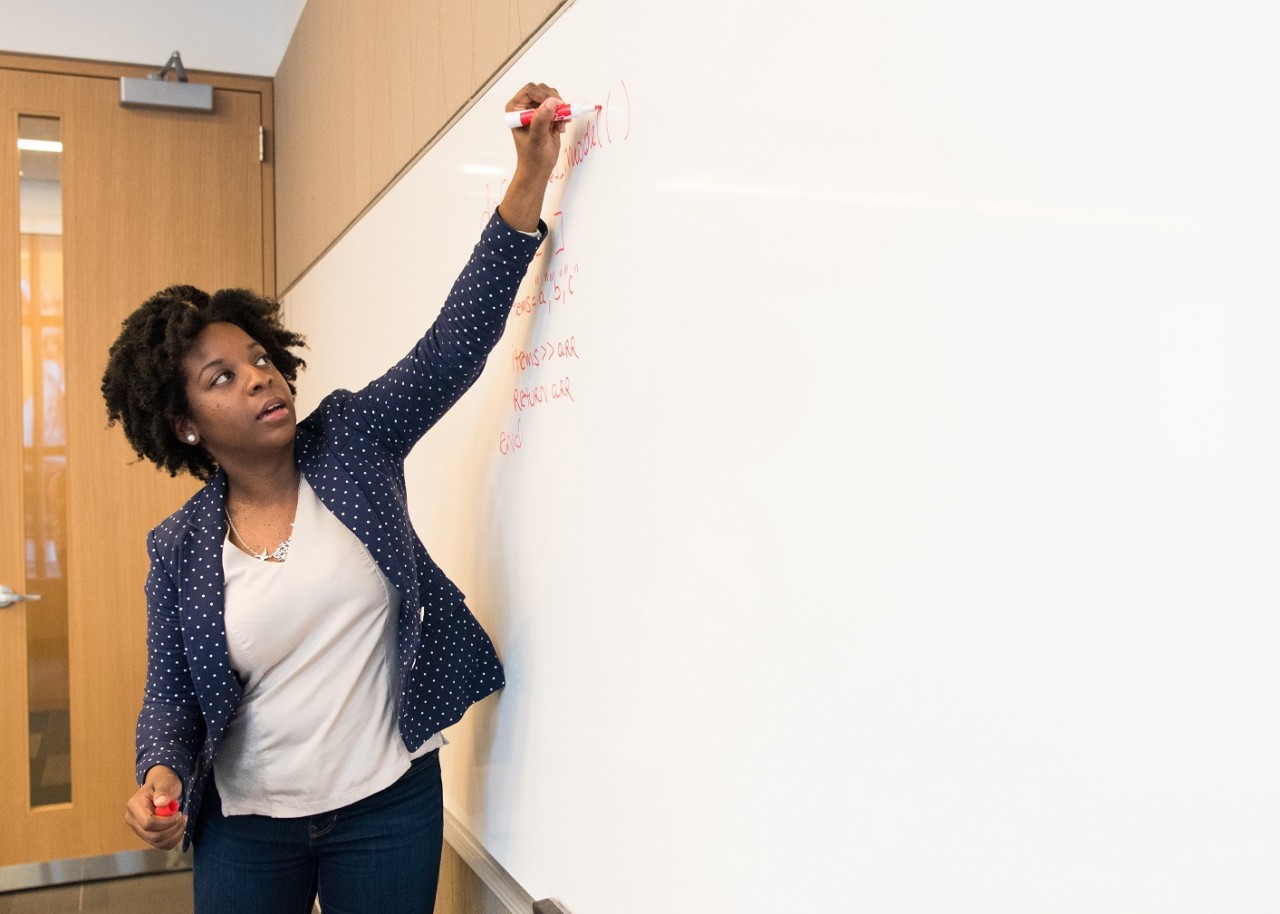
191	439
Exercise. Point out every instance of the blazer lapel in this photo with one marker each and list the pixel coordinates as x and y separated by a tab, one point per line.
343	494
203	609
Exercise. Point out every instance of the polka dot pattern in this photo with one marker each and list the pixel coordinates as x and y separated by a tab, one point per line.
352	450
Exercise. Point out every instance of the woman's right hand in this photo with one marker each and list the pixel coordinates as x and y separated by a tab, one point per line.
160	787
537	149
538	145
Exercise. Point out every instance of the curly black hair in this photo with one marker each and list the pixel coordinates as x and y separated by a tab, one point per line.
144	384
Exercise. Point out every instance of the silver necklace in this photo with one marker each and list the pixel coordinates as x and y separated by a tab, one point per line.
281	552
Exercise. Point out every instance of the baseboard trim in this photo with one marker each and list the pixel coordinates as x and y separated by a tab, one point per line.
508	892
25	876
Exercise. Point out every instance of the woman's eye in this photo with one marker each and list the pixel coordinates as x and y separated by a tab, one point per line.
221	377
264	359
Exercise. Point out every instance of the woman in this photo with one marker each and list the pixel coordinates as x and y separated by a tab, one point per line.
304	652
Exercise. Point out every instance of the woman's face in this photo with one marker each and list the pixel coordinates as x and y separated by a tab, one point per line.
240	404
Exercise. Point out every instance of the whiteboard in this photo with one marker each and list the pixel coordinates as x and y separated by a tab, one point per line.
873	497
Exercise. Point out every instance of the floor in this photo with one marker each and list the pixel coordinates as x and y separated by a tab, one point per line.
164	893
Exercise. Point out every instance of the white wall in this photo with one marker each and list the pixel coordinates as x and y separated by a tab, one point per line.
230	36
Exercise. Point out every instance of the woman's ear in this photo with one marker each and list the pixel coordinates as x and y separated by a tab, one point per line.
185	431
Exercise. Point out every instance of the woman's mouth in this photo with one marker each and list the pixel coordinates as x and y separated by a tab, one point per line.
274	410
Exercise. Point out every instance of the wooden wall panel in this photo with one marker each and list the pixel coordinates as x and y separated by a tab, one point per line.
363	89
461	891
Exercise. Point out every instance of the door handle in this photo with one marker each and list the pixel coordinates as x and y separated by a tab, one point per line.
8	597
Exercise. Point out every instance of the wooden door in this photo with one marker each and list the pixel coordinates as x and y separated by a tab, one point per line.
149	198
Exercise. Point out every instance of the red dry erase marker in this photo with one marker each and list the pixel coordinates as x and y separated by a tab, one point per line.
169	810
563	113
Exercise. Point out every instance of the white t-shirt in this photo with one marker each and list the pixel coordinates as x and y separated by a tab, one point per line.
312	641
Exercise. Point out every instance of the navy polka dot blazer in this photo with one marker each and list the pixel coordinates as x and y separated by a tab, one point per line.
352	451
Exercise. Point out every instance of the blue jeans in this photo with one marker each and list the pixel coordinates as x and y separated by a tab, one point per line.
380	854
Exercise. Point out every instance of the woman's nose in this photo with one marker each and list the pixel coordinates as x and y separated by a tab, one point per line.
258	378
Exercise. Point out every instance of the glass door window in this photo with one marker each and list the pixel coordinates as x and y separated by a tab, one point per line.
44	457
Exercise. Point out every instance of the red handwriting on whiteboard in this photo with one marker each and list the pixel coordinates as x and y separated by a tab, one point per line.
510	443
554	287
554	278
596	133
579	146
561	230
524	359
610	107
491	200
556	233
523	398
556	282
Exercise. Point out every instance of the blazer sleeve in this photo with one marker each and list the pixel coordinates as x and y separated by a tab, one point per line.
170	725
398	408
